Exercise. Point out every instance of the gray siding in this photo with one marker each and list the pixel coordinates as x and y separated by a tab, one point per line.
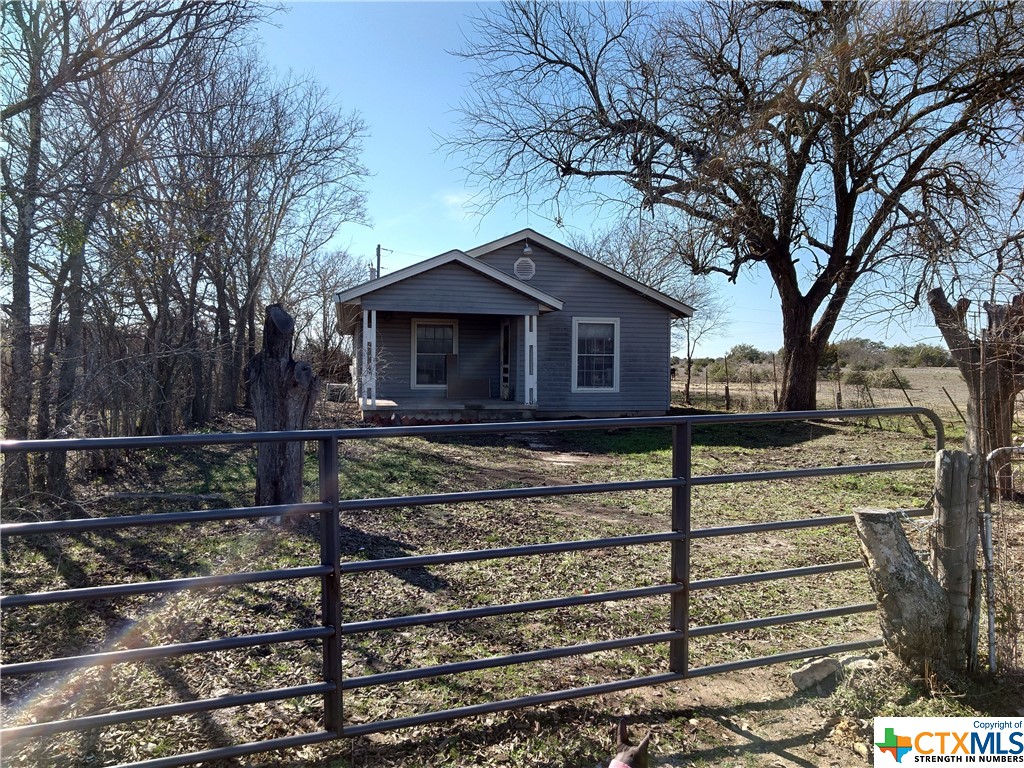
644	343
479	352
450	288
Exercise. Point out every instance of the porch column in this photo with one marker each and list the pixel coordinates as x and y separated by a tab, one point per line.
368	372
530	358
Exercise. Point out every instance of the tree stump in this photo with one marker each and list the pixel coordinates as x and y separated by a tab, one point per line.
282	392
912	606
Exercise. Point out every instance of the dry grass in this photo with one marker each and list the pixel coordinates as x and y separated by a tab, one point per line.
927	387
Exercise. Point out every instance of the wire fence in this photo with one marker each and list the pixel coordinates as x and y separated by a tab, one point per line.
1005	516
751	390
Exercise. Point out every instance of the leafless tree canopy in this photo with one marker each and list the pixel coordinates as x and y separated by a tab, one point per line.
823	142
160	187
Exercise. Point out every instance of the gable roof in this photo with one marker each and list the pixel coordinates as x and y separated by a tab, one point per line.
676	307
548	301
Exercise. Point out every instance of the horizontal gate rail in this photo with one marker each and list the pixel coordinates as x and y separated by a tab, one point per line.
464	614
413	561
165	710
780	620
156	587
492	662
793	474
786	573
161	518
782	525
449	430
330	570
164	651
240	750
780	658
510	704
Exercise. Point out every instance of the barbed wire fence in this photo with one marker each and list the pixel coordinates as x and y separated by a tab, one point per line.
750	391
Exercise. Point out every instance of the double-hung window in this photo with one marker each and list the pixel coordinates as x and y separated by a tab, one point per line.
595	361
432	340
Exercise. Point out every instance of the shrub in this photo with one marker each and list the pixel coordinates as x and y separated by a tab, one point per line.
747	353
856	377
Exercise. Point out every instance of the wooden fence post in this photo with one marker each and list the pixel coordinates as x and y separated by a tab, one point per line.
283	392
955	544
728	402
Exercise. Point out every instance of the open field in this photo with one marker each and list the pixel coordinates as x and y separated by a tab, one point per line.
745	718
941	389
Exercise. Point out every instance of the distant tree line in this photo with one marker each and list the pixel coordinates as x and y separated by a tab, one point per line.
850	358
160	186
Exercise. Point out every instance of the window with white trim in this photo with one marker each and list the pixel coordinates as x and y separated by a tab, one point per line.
595	361
432	340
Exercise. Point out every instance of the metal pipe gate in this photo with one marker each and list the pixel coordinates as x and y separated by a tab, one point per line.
330	571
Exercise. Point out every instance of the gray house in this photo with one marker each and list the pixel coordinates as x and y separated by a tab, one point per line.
520	328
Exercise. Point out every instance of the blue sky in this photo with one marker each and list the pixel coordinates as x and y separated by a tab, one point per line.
391	62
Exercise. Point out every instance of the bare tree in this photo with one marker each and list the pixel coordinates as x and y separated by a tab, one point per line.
296	179
57	48
312	304
988	345
816	141
992	364
246	187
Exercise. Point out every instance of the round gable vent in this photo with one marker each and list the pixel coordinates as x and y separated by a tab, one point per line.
524	268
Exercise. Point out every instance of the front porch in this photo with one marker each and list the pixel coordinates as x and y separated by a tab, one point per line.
445	367
442	410
448	339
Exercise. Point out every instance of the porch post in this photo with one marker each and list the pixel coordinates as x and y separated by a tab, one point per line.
530	358
369	359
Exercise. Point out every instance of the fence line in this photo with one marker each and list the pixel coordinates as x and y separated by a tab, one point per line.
1003	549
331	571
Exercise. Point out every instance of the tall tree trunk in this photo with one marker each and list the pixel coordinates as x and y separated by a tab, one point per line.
236	363
57	483
800	358
18	400
198	401
249	350
44	423
226	379
157	416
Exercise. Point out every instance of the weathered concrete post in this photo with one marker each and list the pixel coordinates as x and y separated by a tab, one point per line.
283	392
